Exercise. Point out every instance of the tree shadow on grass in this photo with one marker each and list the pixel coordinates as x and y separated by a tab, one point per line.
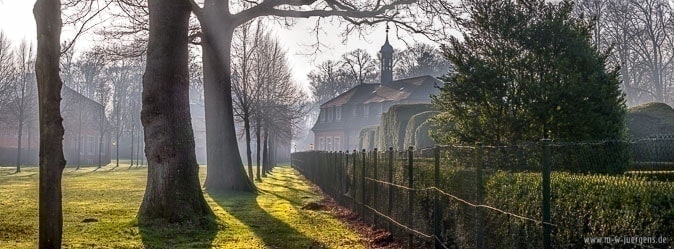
161	234
274	232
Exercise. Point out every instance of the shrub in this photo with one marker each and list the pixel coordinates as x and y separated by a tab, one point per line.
413	125
394	122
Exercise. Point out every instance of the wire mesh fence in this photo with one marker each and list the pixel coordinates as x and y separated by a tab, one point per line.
529	195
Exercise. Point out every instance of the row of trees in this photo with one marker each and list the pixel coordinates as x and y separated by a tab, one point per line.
115	83
111	82
18	94
640	36
267	102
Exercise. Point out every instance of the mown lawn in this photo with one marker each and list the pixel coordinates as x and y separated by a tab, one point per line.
108	200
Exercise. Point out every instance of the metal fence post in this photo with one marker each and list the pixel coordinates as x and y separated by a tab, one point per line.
390	188
410	203
353	178
436	198
479	199
362	185
375	184
546	194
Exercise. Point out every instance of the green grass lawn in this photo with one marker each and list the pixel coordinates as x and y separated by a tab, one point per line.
272	218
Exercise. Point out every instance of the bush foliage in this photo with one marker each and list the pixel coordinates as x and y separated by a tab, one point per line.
413	126
394	123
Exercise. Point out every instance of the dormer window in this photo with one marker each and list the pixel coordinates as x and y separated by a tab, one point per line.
322	116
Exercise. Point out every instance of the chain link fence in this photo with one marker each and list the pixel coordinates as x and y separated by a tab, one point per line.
530	195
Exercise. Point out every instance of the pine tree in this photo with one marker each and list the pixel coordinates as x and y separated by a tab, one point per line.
527	70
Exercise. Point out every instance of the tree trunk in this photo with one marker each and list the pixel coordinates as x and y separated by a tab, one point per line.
52	162
249	153
18	148
117	148
29	152
225	169
100	141
139	139
79	133
265	152
132	151
173	193
258	144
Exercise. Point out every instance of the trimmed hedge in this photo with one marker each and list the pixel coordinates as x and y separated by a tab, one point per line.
394	122
584	206
368	137
416	121
649	119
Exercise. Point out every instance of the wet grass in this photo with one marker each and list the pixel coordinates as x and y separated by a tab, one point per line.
100	209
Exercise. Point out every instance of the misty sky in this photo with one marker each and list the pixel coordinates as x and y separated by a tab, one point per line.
16	20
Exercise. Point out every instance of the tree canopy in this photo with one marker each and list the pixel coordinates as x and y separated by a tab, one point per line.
526	70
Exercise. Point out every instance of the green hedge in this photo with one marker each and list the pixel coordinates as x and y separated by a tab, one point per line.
582	206
394	122
413	125
368	137
422	136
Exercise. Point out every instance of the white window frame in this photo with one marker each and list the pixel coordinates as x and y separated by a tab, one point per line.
338	143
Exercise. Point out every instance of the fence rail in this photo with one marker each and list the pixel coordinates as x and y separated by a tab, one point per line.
534	195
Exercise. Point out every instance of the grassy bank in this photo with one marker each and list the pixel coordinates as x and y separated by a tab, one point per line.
100	208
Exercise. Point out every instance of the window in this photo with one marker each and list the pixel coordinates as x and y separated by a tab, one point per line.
338	143
366	111
353	111
329	110
321	143
328	144
338	113
322	116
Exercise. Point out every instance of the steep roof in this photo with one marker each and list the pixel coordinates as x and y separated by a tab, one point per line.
412	88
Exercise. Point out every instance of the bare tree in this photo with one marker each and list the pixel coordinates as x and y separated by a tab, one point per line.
249	61
641	35
421	59
23	95
52	162
361	66
7	70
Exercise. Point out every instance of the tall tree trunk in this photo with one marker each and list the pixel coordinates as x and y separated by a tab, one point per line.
79	133
52	162
29	152
100	141
133	128
249	153
265	152
258	144
173	193
18	148
117	148
139	146
225	169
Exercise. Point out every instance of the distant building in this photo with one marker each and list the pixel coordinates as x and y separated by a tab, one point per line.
342	118
88	154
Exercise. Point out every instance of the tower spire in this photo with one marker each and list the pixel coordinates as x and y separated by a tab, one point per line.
386	60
